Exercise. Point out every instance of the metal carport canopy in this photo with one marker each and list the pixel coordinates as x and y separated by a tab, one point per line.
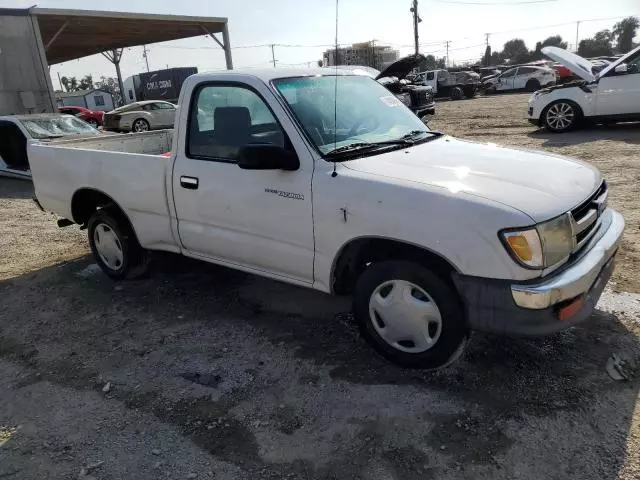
71	34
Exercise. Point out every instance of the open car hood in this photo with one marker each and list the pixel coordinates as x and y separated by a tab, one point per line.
613	65
402	67
578	65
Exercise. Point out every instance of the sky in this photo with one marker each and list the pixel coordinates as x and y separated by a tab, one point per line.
308	28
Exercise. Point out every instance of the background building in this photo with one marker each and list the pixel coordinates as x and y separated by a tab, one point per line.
97	100
367	53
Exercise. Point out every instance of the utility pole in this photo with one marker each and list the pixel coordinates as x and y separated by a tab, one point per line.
447	45
273	55
416	20
60	80
144	54
577	30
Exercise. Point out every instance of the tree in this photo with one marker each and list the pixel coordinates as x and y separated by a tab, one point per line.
624	31
486	59
554	41
69	84
496	58
110	84
515	51
599	45
86	83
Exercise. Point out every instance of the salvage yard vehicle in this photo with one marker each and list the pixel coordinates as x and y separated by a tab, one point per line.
141	117
610	95
454	85
418	98
93	118
17	130
526	77
325	180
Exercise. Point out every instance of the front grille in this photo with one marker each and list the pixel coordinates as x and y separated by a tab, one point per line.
585	218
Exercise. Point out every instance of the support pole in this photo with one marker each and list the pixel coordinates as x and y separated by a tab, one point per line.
273	56
227	47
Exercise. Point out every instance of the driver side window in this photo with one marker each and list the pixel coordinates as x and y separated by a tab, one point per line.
508	73
225	118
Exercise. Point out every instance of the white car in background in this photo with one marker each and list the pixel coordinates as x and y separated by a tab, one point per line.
16	131
611	95
527	77
141	117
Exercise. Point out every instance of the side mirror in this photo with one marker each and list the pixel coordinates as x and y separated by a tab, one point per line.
264	156
622	68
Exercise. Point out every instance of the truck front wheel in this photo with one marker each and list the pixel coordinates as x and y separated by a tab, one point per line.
409	315
115	247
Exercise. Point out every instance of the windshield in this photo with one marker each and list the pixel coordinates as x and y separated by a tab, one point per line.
365	111
54	127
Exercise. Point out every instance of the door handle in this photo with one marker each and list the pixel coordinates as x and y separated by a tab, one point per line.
189	182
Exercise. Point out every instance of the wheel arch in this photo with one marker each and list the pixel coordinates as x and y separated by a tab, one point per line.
85	201
358	253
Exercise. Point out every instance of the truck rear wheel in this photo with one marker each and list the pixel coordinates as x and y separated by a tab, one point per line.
409	315
115	247
456	93
470	91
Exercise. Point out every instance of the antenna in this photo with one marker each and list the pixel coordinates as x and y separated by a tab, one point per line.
335	97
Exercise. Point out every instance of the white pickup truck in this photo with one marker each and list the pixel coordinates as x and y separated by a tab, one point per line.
325	180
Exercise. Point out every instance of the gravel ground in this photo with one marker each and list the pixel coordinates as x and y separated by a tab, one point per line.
204	372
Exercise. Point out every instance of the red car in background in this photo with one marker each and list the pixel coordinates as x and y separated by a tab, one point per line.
92	118
563	72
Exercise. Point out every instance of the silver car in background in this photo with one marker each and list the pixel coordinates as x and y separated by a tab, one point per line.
141	117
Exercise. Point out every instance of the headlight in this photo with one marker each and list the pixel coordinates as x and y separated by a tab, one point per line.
542	246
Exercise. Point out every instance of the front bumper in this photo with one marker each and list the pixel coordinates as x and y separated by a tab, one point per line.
533	308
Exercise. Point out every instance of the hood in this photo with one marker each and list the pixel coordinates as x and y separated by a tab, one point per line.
402	67
613	65
578	65
541	185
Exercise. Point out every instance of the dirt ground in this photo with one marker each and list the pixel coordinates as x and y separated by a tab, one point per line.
204	372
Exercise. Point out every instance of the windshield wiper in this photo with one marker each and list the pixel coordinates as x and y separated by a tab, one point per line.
406	140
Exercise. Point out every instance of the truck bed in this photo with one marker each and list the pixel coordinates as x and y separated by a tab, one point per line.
146	143
127	168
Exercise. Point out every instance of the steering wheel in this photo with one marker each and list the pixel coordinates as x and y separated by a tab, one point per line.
360	124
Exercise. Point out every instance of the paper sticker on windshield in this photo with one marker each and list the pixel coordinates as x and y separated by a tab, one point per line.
390	101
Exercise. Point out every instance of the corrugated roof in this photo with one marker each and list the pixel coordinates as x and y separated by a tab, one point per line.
71	34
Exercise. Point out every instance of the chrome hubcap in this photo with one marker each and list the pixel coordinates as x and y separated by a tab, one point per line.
405	316
560	116
140	126
108	246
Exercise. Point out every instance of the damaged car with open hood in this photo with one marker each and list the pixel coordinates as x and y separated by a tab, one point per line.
610	95
419	98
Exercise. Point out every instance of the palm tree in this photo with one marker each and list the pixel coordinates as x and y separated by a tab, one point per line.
625	31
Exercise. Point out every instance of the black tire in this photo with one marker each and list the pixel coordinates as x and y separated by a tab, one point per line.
143	125
532	85
547	122
470	91
456	93
454	332
135	260
93	123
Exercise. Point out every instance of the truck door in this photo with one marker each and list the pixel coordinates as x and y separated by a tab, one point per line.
259	219
431	80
